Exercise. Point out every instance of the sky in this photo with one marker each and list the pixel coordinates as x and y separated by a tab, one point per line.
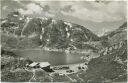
99	17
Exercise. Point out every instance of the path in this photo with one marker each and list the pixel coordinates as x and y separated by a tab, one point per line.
26	24
33	77
79	77
73	80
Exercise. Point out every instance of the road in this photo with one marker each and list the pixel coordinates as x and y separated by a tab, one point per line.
73	80
79	77
33	77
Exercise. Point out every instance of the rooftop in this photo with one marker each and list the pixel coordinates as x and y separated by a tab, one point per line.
33	64
41	64
44	64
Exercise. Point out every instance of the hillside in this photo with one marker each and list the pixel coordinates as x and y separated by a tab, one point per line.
111	65
115	36
45	32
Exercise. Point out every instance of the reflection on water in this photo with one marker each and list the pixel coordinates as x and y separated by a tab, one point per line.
53	57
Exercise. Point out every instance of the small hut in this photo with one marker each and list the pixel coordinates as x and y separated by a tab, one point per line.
45	66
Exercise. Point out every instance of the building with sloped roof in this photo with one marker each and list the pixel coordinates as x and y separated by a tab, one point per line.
34	65
43	65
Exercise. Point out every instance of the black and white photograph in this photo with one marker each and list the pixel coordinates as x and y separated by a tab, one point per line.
63	41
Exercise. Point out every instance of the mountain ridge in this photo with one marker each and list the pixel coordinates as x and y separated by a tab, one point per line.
47	31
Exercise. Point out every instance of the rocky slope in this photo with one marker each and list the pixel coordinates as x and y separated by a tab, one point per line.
115	36
45	32
111	65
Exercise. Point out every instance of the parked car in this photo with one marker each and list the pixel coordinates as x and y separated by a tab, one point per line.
70	71
55	68
61	74
83	68
79	67
60	67
65	67
56	74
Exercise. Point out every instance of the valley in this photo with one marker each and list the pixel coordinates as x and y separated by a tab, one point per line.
85	56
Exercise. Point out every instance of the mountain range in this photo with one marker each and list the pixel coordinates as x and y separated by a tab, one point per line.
29	32
19	31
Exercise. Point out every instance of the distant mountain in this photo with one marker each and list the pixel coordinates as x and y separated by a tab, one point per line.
115	36
47	32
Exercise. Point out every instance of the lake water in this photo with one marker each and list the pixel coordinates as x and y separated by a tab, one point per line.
53	57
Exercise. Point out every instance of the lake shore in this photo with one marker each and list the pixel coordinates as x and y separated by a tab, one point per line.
73	67
56	50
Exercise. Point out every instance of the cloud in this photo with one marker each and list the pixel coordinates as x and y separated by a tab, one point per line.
4	7
84	10
49	14
19	2
113	11
67	8
35	10
31	9
25	12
